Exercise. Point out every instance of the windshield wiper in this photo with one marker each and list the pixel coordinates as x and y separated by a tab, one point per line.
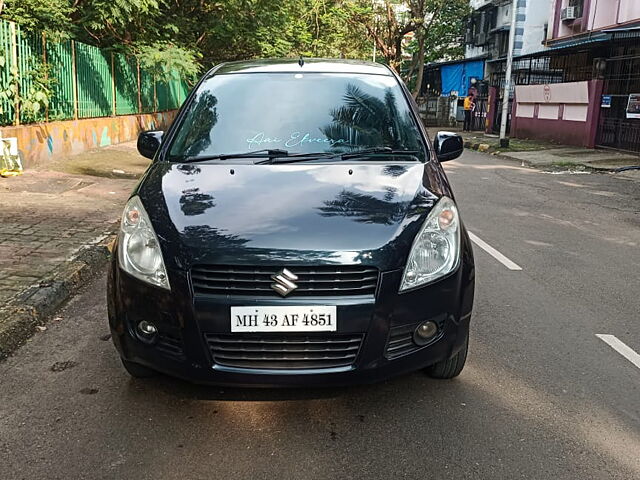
272	156
303	157
269	153
374	150
297	157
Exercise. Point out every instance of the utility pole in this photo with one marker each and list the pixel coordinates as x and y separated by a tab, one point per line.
504	141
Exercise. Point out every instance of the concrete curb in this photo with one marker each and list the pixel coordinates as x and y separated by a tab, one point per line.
31	308
491	150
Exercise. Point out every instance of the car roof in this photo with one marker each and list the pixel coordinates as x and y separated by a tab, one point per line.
309	65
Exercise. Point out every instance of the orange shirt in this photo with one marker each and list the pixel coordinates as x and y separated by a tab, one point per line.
468	103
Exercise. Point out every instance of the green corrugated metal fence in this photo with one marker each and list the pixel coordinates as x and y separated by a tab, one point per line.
126	72
87	81
60	58
95	84
7	44
147	92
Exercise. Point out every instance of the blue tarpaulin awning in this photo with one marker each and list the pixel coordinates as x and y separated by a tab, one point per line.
456	77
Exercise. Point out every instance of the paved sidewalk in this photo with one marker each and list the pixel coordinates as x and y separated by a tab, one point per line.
49	215
547	155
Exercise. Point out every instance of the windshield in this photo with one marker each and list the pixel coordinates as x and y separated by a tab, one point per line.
299	113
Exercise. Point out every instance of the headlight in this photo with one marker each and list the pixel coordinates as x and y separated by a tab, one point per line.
138	248
436	249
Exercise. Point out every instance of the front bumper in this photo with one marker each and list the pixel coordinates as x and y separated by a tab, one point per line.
183	322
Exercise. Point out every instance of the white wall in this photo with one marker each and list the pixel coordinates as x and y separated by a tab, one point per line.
475	4
538	13
548	98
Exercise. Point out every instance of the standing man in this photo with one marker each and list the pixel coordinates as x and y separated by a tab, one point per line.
469	105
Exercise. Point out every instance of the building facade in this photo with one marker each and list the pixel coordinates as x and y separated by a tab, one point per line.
571	18
582	58
490	23
589	42
486	45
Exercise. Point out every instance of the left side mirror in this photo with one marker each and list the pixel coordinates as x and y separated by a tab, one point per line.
448	145
149	143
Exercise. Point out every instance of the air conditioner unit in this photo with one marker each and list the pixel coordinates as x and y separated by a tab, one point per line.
569	13
481	39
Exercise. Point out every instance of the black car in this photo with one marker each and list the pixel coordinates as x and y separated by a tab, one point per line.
295	228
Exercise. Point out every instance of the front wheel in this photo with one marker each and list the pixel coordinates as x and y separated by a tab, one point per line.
451	367
136	370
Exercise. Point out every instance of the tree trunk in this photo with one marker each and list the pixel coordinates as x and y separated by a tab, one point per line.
395	59
418	85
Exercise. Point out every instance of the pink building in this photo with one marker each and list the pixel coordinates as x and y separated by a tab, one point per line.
575	17
584	88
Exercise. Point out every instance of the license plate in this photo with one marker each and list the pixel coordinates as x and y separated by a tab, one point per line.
284	319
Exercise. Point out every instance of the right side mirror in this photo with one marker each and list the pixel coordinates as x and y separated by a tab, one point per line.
149	143
448	145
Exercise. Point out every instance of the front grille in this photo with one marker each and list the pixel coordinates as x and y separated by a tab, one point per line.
325	280
268	351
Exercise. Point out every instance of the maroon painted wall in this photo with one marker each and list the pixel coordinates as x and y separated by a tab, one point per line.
492	104
566	132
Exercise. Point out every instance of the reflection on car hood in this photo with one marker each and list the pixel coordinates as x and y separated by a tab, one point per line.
302	213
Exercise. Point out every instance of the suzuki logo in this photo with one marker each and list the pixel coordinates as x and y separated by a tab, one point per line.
284	282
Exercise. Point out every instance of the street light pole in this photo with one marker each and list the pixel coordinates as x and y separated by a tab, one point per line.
504	141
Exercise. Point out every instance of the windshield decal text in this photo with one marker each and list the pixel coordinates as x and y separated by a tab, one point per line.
294	140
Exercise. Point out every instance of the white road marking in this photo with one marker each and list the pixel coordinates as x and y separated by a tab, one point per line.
620	347
494	253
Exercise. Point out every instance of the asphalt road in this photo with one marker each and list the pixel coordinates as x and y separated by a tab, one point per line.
541	396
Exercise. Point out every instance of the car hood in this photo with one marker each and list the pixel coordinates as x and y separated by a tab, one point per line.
289	214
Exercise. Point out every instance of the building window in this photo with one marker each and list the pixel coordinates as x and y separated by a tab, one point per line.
490	19
578	4
502	41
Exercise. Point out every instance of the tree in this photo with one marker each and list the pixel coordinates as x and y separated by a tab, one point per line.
387	22
436	24
51	16
439	38
192	35
332	33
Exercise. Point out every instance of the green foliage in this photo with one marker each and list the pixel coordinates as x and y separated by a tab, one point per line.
443	38
10	92
332	33
34	99
108	20
192	35
201	32
50	16
165	60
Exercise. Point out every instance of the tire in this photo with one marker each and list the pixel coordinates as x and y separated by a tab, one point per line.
136	370
451	367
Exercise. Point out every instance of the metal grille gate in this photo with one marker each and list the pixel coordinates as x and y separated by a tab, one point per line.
615	130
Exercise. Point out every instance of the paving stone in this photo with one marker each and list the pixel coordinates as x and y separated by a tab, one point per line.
41	227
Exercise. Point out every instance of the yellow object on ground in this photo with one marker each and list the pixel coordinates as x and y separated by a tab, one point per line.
10	164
